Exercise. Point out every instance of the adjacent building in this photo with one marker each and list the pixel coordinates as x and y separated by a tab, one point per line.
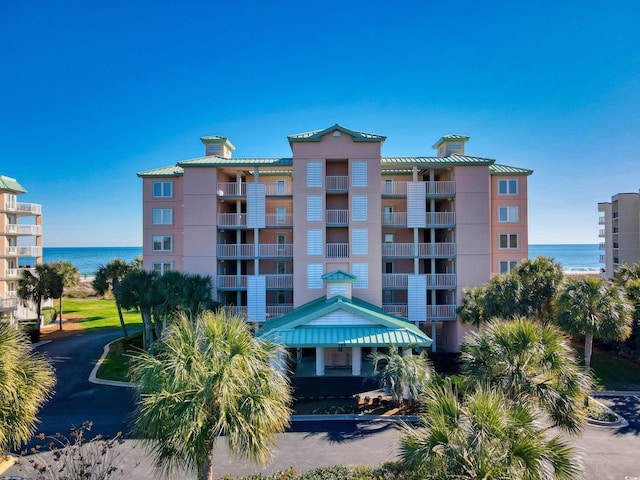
20	238
336	247
620	221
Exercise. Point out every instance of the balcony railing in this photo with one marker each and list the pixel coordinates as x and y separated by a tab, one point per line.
395	280
232	189
16	251
433	189
279	310
278	220
615	215
337	217
601	221
397	309
277	189
280	281
232	220
434	312
276	250
394	219
232	281
337	250
603	259
8	303
235	310
429	250
17	272
435	219
434	280
602	246
236	251
19	229
337	183
24	208
601	233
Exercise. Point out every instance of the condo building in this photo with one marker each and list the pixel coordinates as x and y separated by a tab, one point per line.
620	231
20	238
337	248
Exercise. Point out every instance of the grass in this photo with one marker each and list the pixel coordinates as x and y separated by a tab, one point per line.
614	373
116	364
97	313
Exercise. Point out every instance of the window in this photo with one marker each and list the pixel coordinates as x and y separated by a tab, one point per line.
359	208
387	218
388	267
281	268
162	243
359	174
314	208
361	271
507	265
281	297
281	241
508	187
314	174
388	185
281	187
509	240
455	147
162	216
281	215
161	267
162	189
508	214
389	238
213	148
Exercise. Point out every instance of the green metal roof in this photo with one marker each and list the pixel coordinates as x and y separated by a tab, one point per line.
338	277
217	139
216	161
449	161
317	135
293	328
452	137
170	171
496	169
9	184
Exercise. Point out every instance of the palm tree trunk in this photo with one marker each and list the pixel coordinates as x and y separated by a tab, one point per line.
205	467
124	327
147	327
60	312
588	347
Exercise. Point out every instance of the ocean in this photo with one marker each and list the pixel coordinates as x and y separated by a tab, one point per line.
573	258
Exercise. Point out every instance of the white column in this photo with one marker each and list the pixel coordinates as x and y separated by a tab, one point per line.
407	352
433	336
356	361
319	361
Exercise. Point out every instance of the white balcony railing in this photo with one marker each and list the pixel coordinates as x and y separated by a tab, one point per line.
8	303
434	312
17	272
232	219
603	259
602	246
433	189
337	217
16	251
277	189
235	310
232	281
397	309
337	250
232	189
432	219
394	219
434	280
278	220
280	281
337	183
236	251
443	250
601	221
19	229
276	250
23	208
601	233
395	280
441	219
279	310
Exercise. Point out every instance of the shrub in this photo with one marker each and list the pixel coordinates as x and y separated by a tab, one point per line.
49	315
31	328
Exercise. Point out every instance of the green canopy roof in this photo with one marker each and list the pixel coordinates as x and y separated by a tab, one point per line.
316	135
9	184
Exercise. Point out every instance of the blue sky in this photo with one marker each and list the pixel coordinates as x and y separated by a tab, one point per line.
94	91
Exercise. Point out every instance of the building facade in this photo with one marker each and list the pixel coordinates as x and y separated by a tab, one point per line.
20	237
414	232
620	231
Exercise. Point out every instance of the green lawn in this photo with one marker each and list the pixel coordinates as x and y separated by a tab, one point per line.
115	365
614	373
98	313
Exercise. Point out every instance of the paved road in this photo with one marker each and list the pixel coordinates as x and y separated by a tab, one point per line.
609	454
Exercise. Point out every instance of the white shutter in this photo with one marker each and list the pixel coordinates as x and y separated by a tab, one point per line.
257	298
314	242
361	270
360	241
314	275
359	208
255	205
416	204
314	208
417	297
359	174
314	174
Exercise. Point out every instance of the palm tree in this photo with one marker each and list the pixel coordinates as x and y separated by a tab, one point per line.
404	376
628	277
210	378
70	278
483	435
26	382
594	308
540	280
473	308
107	278
46	283
531	362
138	289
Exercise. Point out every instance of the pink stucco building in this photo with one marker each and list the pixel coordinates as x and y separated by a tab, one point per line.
408	233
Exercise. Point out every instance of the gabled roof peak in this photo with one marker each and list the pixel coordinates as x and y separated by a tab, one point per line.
451	137
316	135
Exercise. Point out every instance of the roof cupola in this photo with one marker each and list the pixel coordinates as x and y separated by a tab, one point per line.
452	144
216	145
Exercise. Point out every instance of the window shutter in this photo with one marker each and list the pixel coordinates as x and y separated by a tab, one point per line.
314	208
256	205
359	174
257	298
314	242
314	174
359	208
361	270
314	275
360	242
416	204
417	297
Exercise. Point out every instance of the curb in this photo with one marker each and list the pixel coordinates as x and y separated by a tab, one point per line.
620	422
112	383
6	463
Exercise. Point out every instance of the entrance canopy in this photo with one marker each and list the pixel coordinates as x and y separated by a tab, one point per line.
340	321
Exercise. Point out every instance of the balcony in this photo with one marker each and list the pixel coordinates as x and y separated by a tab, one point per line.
425	250
601	221
235	310
434	280
615	215
601	233
12	273
433	189
231	282
236	251
23	208
279	310
277	189
602	246
394	219
603	259
19	229
232	220
337	250
441	219
278	220
337	184
435	313
8	304
276	250
232	189
280	282
337	218
16	251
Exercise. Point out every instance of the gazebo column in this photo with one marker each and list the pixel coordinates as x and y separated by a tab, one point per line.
319	361
356	360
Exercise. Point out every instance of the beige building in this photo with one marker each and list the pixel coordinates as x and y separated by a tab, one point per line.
620	230
406	234
20	237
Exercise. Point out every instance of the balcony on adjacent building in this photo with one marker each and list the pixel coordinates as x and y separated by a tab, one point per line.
601	233
603	259
337	250
435	313
232	189
434	280
392	188
601	221
276	250
278	220
21	208
21	229
7	304
231	282
432	219
280	281
17	251
425	250
337	184
230	220
15	273
236	251
602	246
279	310
337	218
